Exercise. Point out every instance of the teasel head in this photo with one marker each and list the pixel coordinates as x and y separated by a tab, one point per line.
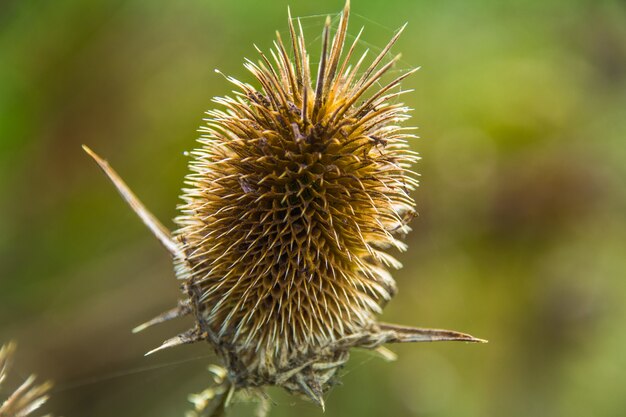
28	397
298	190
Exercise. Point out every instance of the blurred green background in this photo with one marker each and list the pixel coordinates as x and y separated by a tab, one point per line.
521	237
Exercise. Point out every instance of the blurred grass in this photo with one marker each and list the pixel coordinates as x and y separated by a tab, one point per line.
520	239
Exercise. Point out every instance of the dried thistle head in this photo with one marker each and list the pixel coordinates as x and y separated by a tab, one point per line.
299	187
295	192
28	397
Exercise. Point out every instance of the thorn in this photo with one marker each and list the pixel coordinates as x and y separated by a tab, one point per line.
158	230
190	336
181	310
314	393
404	334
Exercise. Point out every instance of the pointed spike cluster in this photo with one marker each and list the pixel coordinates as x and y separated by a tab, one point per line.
28	397
293	195
300	186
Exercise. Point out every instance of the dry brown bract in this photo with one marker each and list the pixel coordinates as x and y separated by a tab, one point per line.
296	192
28	397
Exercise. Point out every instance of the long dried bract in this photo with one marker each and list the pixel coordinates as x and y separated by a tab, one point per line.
299	188
159	231
28	397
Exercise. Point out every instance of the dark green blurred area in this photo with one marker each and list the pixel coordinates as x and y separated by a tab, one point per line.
521	237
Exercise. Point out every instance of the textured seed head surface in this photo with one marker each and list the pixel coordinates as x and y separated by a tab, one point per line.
299	188
297	191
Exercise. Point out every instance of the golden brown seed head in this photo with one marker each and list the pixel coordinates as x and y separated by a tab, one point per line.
297	191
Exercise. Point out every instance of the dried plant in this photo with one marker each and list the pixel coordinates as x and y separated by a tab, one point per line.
297	191
28	397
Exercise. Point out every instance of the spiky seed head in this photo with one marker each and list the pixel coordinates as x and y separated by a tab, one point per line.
299	188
